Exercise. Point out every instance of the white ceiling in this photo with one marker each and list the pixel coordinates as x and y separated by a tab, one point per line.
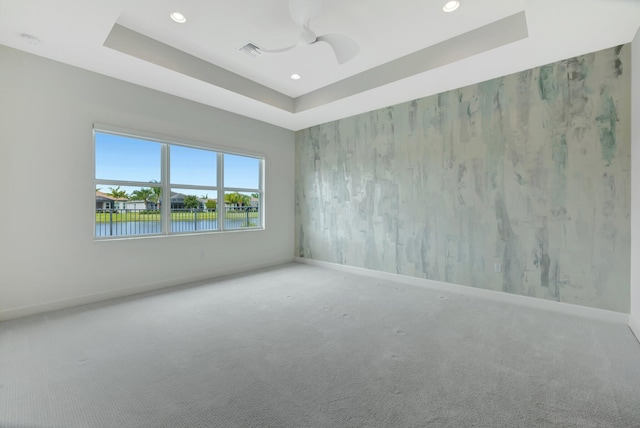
408	48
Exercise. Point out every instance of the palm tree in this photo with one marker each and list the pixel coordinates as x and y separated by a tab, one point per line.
144	194
157	194
117	193
233	198
237	199
211	204
191	201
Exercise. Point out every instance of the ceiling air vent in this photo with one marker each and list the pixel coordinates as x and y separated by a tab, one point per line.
251	50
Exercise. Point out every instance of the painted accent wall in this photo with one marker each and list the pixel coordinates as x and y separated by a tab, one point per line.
634	318
530	171
48	256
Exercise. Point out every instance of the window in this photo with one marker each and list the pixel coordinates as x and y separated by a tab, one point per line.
151	187
242	191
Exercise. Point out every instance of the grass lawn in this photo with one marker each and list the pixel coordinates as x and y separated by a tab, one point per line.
175	216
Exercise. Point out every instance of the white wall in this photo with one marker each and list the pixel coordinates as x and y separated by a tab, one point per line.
634	318
48	257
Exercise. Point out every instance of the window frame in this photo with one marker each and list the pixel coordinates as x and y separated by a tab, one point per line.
166	185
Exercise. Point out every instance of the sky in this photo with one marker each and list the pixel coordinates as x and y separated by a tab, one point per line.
131	159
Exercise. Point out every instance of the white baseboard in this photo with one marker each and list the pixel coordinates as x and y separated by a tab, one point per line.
634	325
514	299
194	280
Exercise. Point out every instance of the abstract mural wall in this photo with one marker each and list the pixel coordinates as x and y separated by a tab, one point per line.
530	170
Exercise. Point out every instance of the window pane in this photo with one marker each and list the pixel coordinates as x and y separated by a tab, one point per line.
242	210
127	159
127	211
193	166
241	172
193	210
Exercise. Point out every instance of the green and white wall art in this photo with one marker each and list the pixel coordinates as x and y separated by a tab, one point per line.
530	170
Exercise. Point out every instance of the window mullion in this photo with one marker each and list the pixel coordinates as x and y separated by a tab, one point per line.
242	189
125	183
166	191
221	205
261	191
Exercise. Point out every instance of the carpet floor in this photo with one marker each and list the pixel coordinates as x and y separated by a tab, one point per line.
301	346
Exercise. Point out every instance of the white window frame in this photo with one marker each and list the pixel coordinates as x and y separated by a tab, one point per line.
166	185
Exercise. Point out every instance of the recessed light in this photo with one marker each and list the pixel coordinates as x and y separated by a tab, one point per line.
32	40
451	5
296	76
178	17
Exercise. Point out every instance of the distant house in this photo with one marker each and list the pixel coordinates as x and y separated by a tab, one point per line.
105	202
140	205
177	201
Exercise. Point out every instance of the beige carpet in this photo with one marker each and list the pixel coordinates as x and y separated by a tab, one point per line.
300	346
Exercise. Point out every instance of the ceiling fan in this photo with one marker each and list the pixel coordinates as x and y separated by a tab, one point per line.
302	11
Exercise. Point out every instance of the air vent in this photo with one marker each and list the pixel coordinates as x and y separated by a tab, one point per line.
251	50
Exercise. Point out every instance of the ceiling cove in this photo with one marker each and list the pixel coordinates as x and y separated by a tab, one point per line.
485	38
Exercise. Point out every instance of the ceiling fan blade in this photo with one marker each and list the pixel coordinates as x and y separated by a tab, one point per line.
307	36
288	48
343	47
303	10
